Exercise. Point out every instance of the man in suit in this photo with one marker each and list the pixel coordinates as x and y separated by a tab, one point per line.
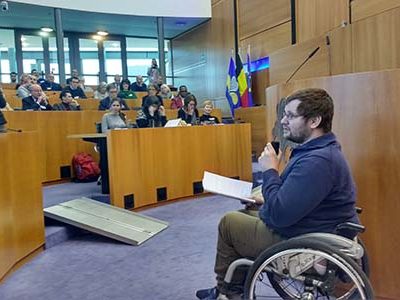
112	95
49	84
37	100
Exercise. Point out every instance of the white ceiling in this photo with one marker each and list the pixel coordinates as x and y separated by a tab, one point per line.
34	17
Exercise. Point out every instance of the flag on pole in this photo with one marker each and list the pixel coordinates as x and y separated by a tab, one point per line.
232	89
249	76
242	82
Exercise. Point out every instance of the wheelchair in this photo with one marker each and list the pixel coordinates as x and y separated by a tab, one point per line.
310	266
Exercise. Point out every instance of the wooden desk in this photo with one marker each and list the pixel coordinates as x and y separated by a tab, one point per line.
53	128
143	162
21	207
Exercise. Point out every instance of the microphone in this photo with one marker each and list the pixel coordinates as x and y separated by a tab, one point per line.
302	64
14	130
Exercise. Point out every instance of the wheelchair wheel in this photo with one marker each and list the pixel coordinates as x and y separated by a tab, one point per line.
306	269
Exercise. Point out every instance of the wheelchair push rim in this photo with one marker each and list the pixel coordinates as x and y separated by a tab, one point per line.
342	280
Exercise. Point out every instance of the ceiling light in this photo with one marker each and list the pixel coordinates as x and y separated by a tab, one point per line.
97	37
102	33
47	29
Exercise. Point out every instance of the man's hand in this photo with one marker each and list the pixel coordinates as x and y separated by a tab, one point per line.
268	158
161	109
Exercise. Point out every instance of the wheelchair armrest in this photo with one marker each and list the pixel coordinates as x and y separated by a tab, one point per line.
357	228
359	210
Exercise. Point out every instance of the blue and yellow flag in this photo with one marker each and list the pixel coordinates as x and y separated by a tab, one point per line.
232	87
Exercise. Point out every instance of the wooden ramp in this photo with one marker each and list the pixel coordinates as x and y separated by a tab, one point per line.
106	220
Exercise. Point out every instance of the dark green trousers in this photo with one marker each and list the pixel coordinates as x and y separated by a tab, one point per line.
241	234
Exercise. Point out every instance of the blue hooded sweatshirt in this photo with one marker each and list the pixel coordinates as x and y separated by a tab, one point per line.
314	193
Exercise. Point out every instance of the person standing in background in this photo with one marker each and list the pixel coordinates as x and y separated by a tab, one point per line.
153	72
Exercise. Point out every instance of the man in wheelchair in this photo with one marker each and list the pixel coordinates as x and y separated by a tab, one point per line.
314	194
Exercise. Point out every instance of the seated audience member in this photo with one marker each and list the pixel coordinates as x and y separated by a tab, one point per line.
74	73
23	89
315	192
36	78
101	91
152	90
117	81
125	92
75	89
139	85
3	104
188	112
178	101
152	114
207	118
49	84
13	77
85	88
37	100
112	96
114	118
67	102
165	92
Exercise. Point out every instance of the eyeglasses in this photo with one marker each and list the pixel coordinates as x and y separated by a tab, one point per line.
290	116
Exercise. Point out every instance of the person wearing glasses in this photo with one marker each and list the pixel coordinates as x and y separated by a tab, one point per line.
112	96
188	112
152	90
314	193
75	89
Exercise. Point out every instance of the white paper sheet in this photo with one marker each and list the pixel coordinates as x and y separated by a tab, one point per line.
173	123
227	186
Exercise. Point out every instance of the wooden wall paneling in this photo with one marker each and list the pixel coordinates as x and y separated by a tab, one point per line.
361	9
259	15
257	117
316	17
268	41
137	169
21	208
201	56
340	50
376	42
285	61
366	116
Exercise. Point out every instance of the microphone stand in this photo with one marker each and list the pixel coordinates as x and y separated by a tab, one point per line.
302	64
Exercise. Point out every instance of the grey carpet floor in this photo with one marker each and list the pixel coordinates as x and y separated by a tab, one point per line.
171	265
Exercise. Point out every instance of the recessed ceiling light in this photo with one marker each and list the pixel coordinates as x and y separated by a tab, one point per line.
102	33
47	29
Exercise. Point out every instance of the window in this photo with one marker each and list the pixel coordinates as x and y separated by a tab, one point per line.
8	62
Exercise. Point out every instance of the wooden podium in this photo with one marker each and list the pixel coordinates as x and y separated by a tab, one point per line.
21	207
367	124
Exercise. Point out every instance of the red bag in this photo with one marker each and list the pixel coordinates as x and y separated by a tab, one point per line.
85	168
